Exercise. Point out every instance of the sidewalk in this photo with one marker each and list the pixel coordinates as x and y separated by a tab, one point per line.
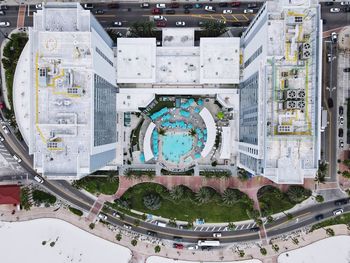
145	245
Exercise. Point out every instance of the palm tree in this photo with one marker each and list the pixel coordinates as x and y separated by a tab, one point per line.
113	34
203	195
161	131
297	193
142	29
152	201
322	172
177	192
111	177
192	132
213	28
231	196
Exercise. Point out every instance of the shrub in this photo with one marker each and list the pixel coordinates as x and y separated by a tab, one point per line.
134	242
263	251
152	201
157	249
92	226
43	197
75	211
319	198
330	232
118	237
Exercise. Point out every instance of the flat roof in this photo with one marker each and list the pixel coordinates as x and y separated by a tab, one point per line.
136	60
219	60
178	37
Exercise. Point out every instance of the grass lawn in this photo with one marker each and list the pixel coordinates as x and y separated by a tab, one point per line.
43	197
95	185
185	209
341	219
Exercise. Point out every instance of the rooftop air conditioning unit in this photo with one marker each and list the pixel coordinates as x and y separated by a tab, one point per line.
290	105
285	128
301	104
306	46
291	94
301	94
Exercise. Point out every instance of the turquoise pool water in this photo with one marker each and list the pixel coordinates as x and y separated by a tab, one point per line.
176	145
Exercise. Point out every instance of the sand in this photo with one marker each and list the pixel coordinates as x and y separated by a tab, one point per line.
155	259
22	242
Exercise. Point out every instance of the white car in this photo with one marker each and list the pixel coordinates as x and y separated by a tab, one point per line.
38	179
159	18
180	23
217	234
341	144
38	6
161	6
17	159
209	8
193	247
341	120
227	11
118	23
4	24
1	139
334	37
127	226
6	130
115	214
345	3
102	216
338	212
248	11
334	10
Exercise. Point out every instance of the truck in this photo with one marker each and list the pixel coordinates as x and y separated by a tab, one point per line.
160	223
324	120
208	243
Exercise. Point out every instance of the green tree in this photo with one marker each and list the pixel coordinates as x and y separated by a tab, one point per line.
92	226
275	247
231	226
252	213
297	193
213	28
118	236
231	196
241	253
142	29
269	219
346	174
347	162
134	242
330	232
157	249
192	132
243	175
322	172
203	195
113	34
177	192
263	251
152	201
161	131
319	198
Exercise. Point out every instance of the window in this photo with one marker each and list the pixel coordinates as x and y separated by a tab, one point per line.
104	56
253	56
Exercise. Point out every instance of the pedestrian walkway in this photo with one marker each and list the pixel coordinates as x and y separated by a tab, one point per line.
95	209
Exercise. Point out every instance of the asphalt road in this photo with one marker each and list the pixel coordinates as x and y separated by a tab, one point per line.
65	191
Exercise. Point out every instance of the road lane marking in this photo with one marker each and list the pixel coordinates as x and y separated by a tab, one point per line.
302	215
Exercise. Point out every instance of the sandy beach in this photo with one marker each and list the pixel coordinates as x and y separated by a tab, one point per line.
155	259
23	242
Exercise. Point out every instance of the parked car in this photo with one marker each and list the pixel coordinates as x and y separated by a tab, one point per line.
341	144
254	229
345	3
329	3
88	6
178	246
175	5
210	8
338	212
127	226
340	132
144	5
217	234
1	139
117	23
341	110
319	217
178	239
17	159
170	11
341	120
2	13
159	18
227	11
180	23
38	179
334	10
334	37
4	7
252	5
347	9
5	129
4	24
248	11
38	6
157	11
198	6
235	4
116	214
346	70
201	23
151	233
188	6
161	6
99	12
193	247
102	216
330	103
186	11
341	202
223	4
161	24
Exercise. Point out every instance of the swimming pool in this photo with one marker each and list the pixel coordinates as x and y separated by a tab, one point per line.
174	146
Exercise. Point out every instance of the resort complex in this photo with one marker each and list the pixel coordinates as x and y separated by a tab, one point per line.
179	105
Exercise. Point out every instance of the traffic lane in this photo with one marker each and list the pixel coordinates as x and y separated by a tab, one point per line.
62	184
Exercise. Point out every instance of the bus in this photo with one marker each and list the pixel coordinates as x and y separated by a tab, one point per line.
208	243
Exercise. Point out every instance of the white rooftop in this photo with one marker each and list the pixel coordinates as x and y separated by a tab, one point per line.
178	62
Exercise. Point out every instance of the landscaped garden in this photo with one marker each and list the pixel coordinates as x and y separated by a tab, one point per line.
183	204
272	200
40	197
98	185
